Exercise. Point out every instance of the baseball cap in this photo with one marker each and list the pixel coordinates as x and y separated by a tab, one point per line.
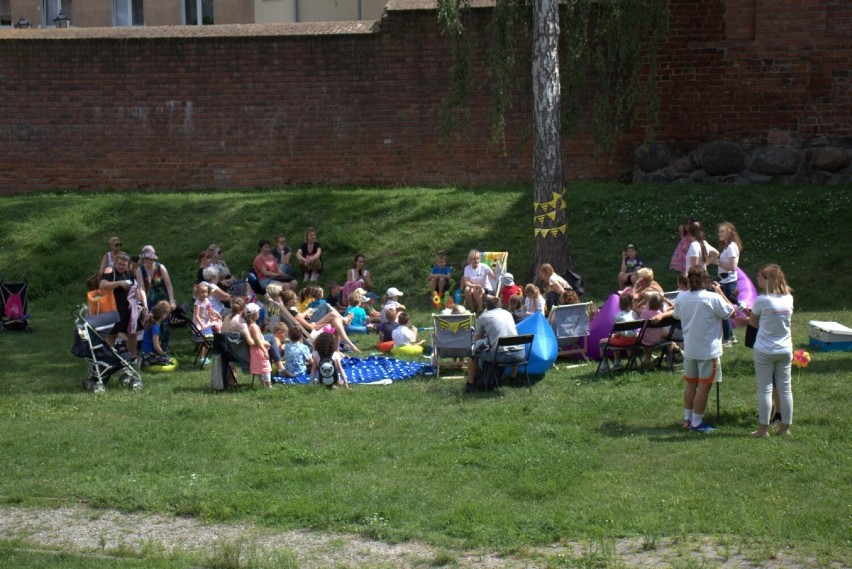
393	291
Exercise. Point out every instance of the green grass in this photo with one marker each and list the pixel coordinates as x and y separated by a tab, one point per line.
580	458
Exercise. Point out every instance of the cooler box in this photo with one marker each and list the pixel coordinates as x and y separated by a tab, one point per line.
830	336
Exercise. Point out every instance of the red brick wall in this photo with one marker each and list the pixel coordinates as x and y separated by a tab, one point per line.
163	108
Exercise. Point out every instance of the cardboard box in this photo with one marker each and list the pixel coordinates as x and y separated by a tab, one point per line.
830	336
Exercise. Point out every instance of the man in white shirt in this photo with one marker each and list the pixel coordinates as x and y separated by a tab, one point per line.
701	313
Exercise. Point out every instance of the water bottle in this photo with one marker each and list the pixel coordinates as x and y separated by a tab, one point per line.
457	296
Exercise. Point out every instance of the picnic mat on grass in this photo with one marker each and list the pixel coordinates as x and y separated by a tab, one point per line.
372	369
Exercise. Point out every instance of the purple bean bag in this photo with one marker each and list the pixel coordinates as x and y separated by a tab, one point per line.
601	326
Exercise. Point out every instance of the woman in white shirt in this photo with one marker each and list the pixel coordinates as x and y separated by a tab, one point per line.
700	252
729	258
773	348
475	280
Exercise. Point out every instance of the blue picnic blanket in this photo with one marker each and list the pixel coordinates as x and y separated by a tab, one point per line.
367	370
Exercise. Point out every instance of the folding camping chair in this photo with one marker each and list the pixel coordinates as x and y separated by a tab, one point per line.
631	351
203	344
665	346
498	367
452	337
570	323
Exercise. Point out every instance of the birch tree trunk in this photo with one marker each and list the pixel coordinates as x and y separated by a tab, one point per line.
550	221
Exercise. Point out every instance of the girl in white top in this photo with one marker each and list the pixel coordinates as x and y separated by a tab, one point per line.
700	253
533	300
729	258
773	348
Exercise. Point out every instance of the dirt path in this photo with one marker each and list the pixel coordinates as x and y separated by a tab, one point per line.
77	529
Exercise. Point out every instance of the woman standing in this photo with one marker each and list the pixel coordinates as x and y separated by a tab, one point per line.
109	258
729	258
154	286
700	252
773	348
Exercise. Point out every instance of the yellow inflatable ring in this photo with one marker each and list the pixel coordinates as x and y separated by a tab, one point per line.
409	350
161	368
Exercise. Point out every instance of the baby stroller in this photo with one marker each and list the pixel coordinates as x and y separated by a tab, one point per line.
103	359
13	306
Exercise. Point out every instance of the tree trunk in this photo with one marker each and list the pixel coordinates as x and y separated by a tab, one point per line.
550	221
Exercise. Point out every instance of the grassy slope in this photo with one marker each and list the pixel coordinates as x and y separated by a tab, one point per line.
579	458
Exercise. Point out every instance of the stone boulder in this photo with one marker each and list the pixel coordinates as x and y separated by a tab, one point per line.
776	160
721	158
831	159
651	157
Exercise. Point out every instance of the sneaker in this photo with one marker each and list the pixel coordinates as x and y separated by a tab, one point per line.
616	366
604	368
727	344
205	361
702	428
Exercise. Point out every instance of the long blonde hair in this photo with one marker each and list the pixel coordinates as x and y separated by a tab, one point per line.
774	281
733	236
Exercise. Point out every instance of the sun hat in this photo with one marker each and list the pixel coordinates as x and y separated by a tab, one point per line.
394	292
148	252
507	279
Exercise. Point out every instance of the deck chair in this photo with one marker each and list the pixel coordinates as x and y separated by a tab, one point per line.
203	345
496	261
570	323
291	322
497	368
452	337
631	352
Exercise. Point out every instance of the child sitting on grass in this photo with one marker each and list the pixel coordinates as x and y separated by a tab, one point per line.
327	363
297	356
152	350
386	330
405	335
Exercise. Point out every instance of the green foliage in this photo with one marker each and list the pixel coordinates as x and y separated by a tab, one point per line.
608	62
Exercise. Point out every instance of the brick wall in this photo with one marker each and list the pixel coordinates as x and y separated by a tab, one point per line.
269	105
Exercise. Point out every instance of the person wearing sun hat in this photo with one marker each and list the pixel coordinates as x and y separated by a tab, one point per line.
154	286
508	288
391	301
631	262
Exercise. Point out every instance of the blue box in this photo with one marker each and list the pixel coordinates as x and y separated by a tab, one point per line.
830	336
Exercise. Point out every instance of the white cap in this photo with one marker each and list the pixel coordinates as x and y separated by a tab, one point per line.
393	291
252	308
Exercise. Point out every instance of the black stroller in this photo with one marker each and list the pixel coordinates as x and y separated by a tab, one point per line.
13	306
103	359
